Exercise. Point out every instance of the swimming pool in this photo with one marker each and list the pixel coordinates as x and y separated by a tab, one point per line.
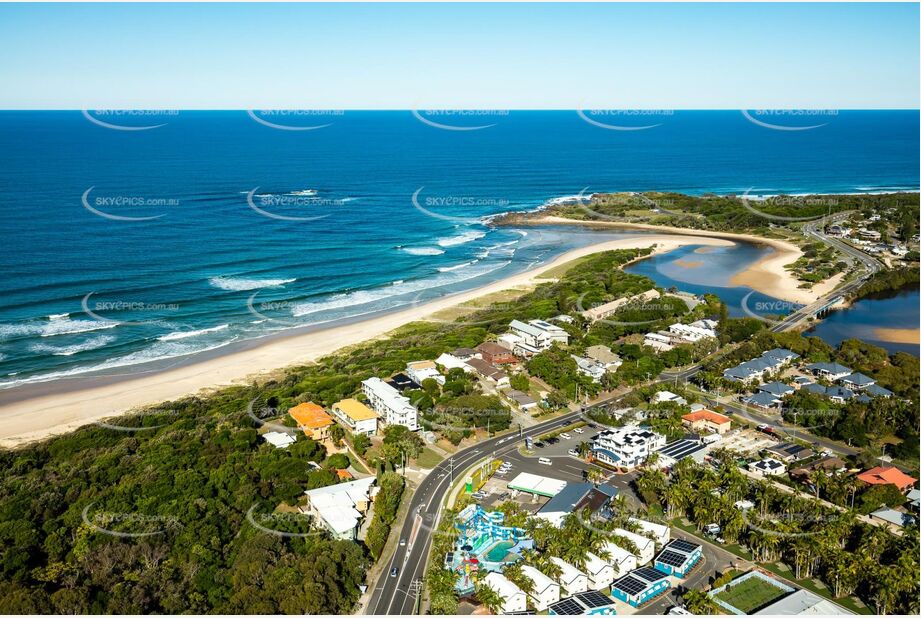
499	551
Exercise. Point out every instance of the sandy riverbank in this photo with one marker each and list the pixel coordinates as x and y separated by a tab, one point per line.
898	335
60	407
768	275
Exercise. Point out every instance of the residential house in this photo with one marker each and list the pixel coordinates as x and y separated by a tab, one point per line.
645	547
778	389
678	557
403	382
668	396
640	586
449	361
887	475
590	368
488	371
603	355
574	498
707	421
600	573
538	333
767	467
522	400
660	342
466	354
494	354
544	590
387	401
312	419
857	381
619	558
513	598
571	579
602	311
672	453
340	507
356	416
764	400
893	517
659	533
789	453
420	371
829	371
279	439
626	447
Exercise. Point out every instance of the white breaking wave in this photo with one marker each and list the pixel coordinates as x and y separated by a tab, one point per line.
92	343
59	326
58	316
191	333
460	239
447	269
364	297
240	284
422	250
156	352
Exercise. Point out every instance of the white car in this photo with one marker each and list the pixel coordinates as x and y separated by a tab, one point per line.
574	452
565	436
545	461
578	430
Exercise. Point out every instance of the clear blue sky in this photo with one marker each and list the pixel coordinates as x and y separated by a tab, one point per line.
502	56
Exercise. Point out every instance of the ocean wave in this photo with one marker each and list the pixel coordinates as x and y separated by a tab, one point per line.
92	343
460	239
422	250
447	269
192	333
389	291
157	352
239	284
59	326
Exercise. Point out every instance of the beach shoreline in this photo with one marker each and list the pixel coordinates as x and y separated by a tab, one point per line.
37	411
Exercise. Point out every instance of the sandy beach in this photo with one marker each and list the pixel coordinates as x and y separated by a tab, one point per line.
62	407
898	335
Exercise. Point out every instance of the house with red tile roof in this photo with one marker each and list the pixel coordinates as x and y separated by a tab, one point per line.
887	475
706	420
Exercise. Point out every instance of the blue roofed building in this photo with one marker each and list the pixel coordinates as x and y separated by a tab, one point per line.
575	497
830	371
875	390
589	603
764	400
857	381
776	388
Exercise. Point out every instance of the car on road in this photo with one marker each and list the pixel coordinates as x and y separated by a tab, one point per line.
544	460
574	452
402	542
394	571
565	436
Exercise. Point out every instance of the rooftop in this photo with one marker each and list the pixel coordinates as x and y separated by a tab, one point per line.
706	415
310	416
883	475
355	410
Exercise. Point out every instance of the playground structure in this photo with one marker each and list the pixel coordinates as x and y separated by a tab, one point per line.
484	544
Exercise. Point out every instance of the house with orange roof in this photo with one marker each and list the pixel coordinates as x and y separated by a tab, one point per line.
312	419
706	420
344	475
887	475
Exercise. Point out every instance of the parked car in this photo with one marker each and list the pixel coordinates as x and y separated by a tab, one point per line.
565	436
574	452
539	445
579	430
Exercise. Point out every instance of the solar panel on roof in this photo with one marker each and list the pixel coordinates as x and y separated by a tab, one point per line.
671	558
631	585
567	607
648	574
681	545
593	599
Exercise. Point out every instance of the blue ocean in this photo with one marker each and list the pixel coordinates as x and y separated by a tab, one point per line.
137	237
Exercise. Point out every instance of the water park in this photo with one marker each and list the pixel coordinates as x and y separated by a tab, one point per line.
484	544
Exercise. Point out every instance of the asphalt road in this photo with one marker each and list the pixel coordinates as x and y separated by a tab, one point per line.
395	595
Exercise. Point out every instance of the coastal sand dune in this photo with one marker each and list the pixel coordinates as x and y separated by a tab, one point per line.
61	407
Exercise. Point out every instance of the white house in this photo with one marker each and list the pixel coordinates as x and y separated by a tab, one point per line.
600	573
545	591
620	559
514	599
626	446
692	332
768	467
590	368
423	370
661	342
571	579
657	532
449	361
389	403
539	333
663	396
278	439
645	547
340	507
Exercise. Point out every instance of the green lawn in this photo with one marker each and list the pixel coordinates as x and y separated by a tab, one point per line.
751	594
428	458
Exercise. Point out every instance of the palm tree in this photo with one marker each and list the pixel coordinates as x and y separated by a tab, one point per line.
698	602
490	598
